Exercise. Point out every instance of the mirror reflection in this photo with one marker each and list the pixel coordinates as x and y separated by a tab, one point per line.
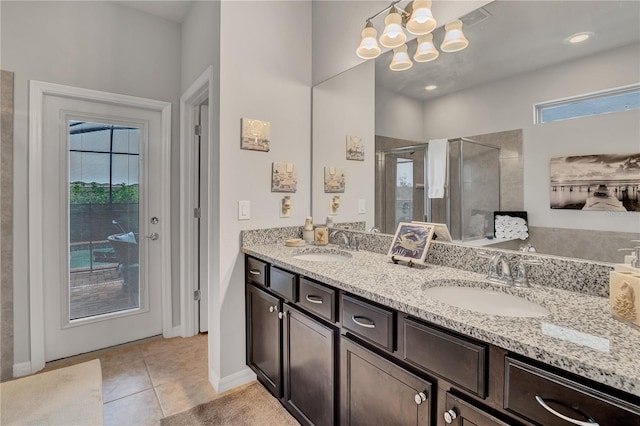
482	105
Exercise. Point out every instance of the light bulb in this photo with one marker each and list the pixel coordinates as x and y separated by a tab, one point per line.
421	20
425	51
368	48
393	36
454	39
400	60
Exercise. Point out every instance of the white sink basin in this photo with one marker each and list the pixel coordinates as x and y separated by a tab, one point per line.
486	301
323	256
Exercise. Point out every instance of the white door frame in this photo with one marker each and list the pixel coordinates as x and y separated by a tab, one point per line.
199	91
37	92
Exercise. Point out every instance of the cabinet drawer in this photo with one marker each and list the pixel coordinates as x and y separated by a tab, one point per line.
544	398
460	361
283	283
256	271
368	321
317	298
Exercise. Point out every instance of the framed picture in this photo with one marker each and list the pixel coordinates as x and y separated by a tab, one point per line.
355	148
440	231
411	242
284	177
334	180
255	134
602	182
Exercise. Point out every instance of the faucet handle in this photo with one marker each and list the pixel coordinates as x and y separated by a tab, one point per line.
485	254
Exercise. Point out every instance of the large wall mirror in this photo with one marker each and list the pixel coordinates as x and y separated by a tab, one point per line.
483	105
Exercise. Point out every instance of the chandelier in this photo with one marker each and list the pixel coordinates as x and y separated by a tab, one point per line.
418	20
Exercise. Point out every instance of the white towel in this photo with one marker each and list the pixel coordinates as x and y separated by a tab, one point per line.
437	158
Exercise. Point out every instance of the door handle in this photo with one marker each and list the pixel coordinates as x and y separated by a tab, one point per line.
154	236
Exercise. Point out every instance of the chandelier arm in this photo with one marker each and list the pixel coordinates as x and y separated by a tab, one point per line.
393	4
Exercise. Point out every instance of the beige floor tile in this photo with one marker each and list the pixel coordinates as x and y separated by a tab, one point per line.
125	354
181	395
122	380
159	346
139	409
175	365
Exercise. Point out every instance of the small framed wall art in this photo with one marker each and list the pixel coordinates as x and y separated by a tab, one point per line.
355	148
284	177
334	179
255	134
411	242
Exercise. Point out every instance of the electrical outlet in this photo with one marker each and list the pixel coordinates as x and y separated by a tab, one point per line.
362	206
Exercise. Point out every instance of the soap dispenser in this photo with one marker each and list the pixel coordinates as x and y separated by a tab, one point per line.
307	231
632	261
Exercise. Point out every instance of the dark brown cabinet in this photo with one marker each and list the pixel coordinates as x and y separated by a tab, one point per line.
546	398
309	370
264	338
375	391
460	412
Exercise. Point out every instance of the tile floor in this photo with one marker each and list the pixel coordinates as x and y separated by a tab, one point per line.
153	378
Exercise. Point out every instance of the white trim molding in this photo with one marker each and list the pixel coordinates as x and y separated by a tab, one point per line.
199	91
231	381
22	369
37	91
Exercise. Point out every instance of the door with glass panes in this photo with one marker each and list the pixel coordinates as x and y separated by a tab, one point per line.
102	226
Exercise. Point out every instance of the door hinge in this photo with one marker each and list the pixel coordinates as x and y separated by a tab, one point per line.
196	295
197	129
197	212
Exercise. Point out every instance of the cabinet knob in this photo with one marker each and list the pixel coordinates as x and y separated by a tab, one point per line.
420	397
450	416
282	315
273	308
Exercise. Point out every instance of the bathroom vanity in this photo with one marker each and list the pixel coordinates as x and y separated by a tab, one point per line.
357	341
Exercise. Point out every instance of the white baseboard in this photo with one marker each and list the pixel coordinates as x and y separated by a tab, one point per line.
174	332
234	380
22	369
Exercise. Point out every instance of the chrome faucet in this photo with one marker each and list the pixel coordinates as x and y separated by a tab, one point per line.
522	277
500	270
349	241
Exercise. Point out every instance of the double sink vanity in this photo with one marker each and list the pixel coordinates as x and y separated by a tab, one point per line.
348	337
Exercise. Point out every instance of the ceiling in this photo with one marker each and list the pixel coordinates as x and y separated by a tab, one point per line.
175	11
513	37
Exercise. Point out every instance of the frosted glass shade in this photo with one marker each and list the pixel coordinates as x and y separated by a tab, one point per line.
368	48
425	51
401	60
454	39
393	36
421	20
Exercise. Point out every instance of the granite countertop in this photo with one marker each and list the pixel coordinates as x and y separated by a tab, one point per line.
579	336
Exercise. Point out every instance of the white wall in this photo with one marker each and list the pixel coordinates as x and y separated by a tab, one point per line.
337	26
265	74
94	45
345	106
398	116
508	104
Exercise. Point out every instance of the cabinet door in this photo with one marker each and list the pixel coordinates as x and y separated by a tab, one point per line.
459	412
264	338
309	370
374	391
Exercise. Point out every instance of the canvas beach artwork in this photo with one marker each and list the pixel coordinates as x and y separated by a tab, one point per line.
411	242
355	148
255	134
602	182
334	179
284	177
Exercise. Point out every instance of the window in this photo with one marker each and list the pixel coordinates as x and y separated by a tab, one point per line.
611	100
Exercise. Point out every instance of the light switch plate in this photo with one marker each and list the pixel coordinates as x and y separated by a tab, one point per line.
362	206
244	210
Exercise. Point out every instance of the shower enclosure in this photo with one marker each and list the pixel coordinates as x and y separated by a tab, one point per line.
472	192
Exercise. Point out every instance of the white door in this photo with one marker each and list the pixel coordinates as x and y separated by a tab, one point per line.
104	224
203	203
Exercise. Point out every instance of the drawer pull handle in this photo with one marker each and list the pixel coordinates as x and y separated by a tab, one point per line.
254	271
590	422
368	324
314	299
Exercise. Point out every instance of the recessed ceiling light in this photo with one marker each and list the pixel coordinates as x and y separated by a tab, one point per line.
579	38
431	87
